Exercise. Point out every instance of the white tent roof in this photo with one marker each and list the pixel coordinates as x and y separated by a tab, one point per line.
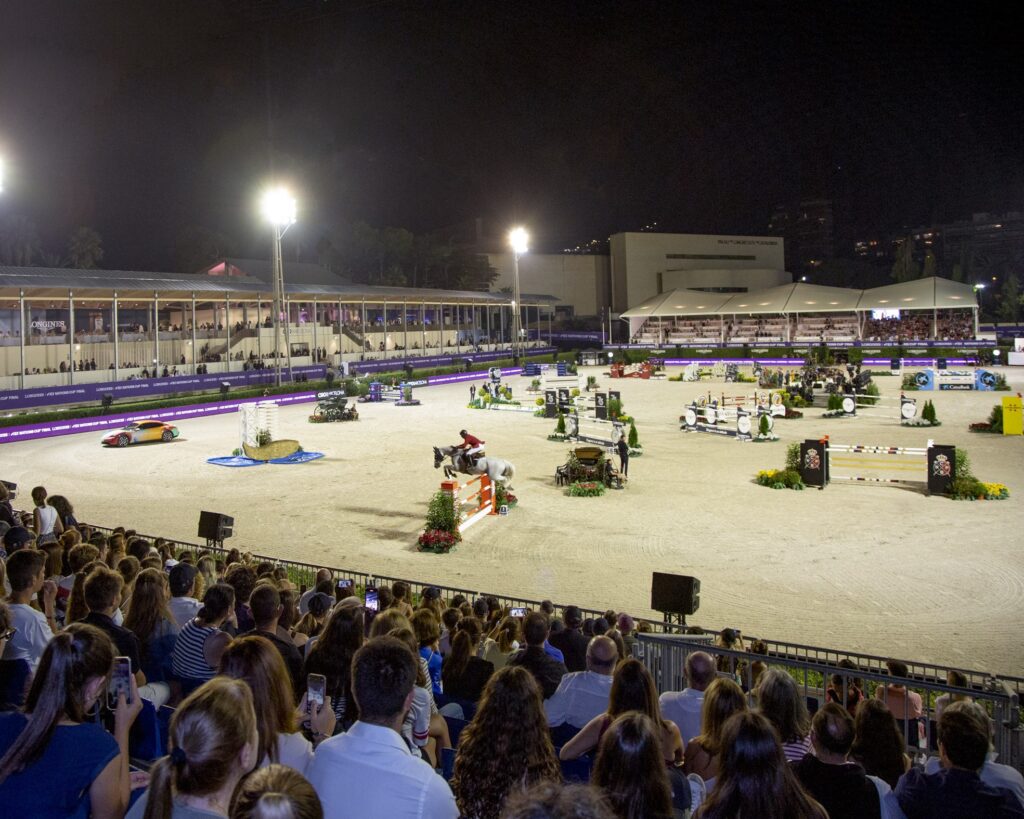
799	297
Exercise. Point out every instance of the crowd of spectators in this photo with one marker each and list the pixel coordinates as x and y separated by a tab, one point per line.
283	704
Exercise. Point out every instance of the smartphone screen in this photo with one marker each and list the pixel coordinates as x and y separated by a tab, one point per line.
517	612
344	584
120	681
316	686
372	604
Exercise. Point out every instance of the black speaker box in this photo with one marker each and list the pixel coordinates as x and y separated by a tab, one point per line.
215	526
675	593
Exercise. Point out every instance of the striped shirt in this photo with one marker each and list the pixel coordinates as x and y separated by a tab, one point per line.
796	750
189	661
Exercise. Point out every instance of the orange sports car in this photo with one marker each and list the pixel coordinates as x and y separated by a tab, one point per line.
140	432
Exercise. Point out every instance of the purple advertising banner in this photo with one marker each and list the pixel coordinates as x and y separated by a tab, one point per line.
396	364
142	387
28	432
773	362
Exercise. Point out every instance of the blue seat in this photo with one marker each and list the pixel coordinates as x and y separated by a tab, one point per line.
455	727
468	706
14	681
447	763
145	741
577	770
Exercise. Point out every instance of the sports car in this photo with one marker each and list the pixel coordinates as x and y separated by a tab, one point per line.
140	432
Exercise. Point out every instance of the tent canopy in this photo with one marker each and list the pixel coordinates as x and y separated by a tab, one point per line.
799	297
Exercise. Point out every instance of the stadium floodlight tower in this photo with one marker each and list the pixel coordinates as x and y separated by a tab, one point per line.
278	208
519	240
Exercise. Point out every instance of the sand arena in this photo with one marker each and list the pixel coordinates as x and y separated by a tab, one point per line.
872	568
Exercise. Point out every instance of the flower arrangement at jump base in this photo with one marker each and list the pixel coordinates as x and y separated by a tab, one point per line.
787	478
967	487
636	449
559	433
928	417
585	489
502	497
441	531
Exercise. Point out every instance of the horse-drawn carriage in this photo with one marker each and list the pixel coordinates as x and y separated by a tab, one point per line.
334	408
589	463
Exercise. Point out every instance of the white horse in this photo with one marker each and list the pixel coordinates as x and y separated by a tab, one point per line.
496	469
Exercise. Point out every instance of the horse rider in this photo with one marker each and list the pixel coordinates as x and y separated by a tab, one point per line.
472	447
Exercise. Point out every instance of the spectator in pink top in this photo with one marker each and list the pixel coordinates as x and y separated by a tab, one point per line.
902	704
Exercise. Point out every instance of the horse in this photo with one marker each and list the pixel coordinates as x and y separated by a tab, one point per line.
496	469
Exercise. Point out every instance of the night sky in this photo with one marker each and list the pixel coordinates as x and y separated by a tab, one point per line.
580	119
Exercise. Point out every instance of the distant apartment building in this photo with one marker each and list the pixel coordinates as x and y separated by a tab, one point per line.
809	230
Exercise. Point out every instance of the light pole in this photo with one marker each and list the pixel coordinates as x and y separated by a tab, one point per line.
980	290
278	208
519	239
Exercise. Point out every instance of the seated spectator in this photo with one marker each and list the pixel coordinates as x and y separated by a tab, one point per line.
54	760
626	627
957	791
276	792
6	510
242	579
255	661
449	620
202	641
332	655
878	743
102	596
548	800
505	748
400	598
312	622
546	670
722	699
992	773
424	729
502	642
150	621
33	628
903	704
684	707
369	771
17	538
15	675
841	786
182	580
854	688
570	640
754	779
957	679
212	745
583	695
323	576
731	639
265	603
463	674
632	690
757	667
615	636
780	702
427	629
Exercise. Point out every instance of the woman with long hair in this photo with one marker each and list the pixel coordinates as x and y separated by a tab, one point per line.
854	688
54	760
77	610
65	511
45	520
212	742
506	748
276	792
463	674
332	656
632	690
400	598
427	628
629	769
201	641
780	701
255	661
722	699
151	621
754	778
878	743
502	642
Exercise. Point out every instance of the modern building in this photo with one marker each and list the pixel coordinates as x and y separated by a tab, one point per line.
809	230
578	283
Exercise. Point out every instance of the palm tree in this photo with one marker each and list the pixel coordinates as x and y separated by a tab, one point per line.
19	241
85	248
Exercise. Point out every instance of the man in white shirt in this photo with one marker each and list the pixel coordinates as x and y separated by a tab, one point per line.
182	580
369	770
27	575
684	707
582	695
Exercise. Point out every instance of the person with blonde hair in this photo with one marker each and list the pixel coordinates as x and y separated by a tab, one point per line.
501	643
722	699
212	744
276	792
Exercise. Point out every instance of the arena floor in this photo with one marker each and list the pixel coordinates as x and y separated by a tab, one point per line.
879	569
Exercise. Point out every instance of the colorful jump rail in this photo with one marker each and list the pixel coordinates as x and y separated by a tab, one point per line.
482	497
934	464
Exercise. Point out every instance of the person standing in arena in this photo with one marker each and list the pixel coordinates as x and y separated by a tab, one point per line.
623	450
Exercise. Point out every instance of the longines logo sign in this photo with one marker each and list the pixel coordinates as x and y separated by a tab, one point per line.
48	325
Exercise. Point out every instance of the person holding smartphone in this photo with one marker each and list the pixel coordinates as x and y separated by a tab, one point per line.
55	761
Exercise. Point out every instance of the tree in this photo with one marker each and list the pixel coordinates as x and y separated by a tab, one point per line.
905	269
929	264
1009	299
85	248
19	241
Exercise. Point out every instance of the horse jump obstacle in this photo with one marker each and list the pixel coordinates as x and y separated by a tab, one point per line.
935	464
710	417
763	401
974	379
902	408
595	430
483	497
643	370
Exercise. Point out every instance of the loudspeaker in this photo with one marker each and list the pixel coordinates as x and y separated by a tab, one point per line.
940	363
675	593
12	489
215	526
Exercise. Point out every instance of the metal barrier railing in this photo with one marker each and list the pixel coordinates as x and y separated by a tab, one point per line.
665	657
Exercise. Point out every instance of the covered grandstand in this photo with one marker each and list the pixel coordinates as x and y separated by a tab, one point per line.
931	308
